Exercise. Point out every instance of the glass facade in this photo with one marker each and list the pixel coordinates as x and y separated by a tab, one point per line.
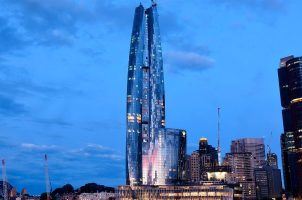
290	83
168	166
153	152
134	98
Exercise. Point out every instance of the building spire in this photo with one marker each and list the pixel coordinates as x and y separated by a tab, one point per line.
218	137
269	151
154	2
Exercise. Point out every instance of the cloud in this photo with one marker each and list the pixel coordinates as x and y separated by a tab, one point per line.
98	151
35	147
16	87
49	22
52	121
182	56
179	61
10	107
10	38
57	22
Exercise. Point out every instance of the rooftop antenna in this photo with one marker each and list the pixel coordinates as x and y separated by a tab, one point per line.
269	143
4	181
47	180
218	135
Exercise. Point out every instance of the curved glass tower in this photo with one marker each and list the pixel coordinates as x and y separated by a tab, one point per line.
134	99
145	97
149	144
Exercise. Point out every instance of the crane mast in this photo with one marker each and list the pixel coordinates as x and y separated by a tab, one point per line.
218	137
47	180
4	181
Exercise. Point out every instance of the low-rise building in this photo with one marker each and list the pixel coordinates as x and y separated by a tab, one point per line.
97	196
206	191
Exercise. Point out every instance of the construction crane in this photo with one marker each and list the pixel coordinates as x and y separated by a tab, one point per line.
218	137
47	179
4	181
269	143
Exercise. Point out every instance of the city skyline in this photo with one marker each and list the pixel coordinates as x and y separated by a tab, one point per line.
66	107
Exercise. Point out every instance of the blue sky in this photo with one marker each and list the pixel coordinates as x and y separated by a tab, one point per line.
63	71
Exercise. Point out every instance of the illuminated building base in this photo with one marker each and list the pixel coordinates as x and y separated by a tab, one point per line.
207	191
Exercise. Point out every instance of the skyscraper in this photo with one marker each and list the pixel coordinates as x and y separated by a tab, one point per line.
202	161
253	145
268	182
242	172
208	158
194	167
147	140
268	178
290	83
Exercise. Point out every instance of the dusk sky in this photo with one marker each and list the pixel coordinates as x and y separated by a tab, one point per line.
63	76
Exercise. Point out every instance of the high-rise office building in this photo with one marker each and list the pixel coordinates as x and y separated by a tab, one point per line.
147	140
205	148
290	84
242	172
253	145
246	155
194	163
268	179
202	161
208	158
268	183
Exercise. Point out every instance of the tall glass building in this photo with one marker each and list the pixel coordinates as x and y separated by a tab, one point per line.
148	142
170	153
290	83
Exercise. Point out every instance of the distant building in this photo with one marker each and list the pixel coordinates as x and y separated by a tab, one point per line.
253	145
208	157
272	160
97	196
268	183
203	160
70	196
209	191
13	193
10	189
194	162
290	84
242	172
